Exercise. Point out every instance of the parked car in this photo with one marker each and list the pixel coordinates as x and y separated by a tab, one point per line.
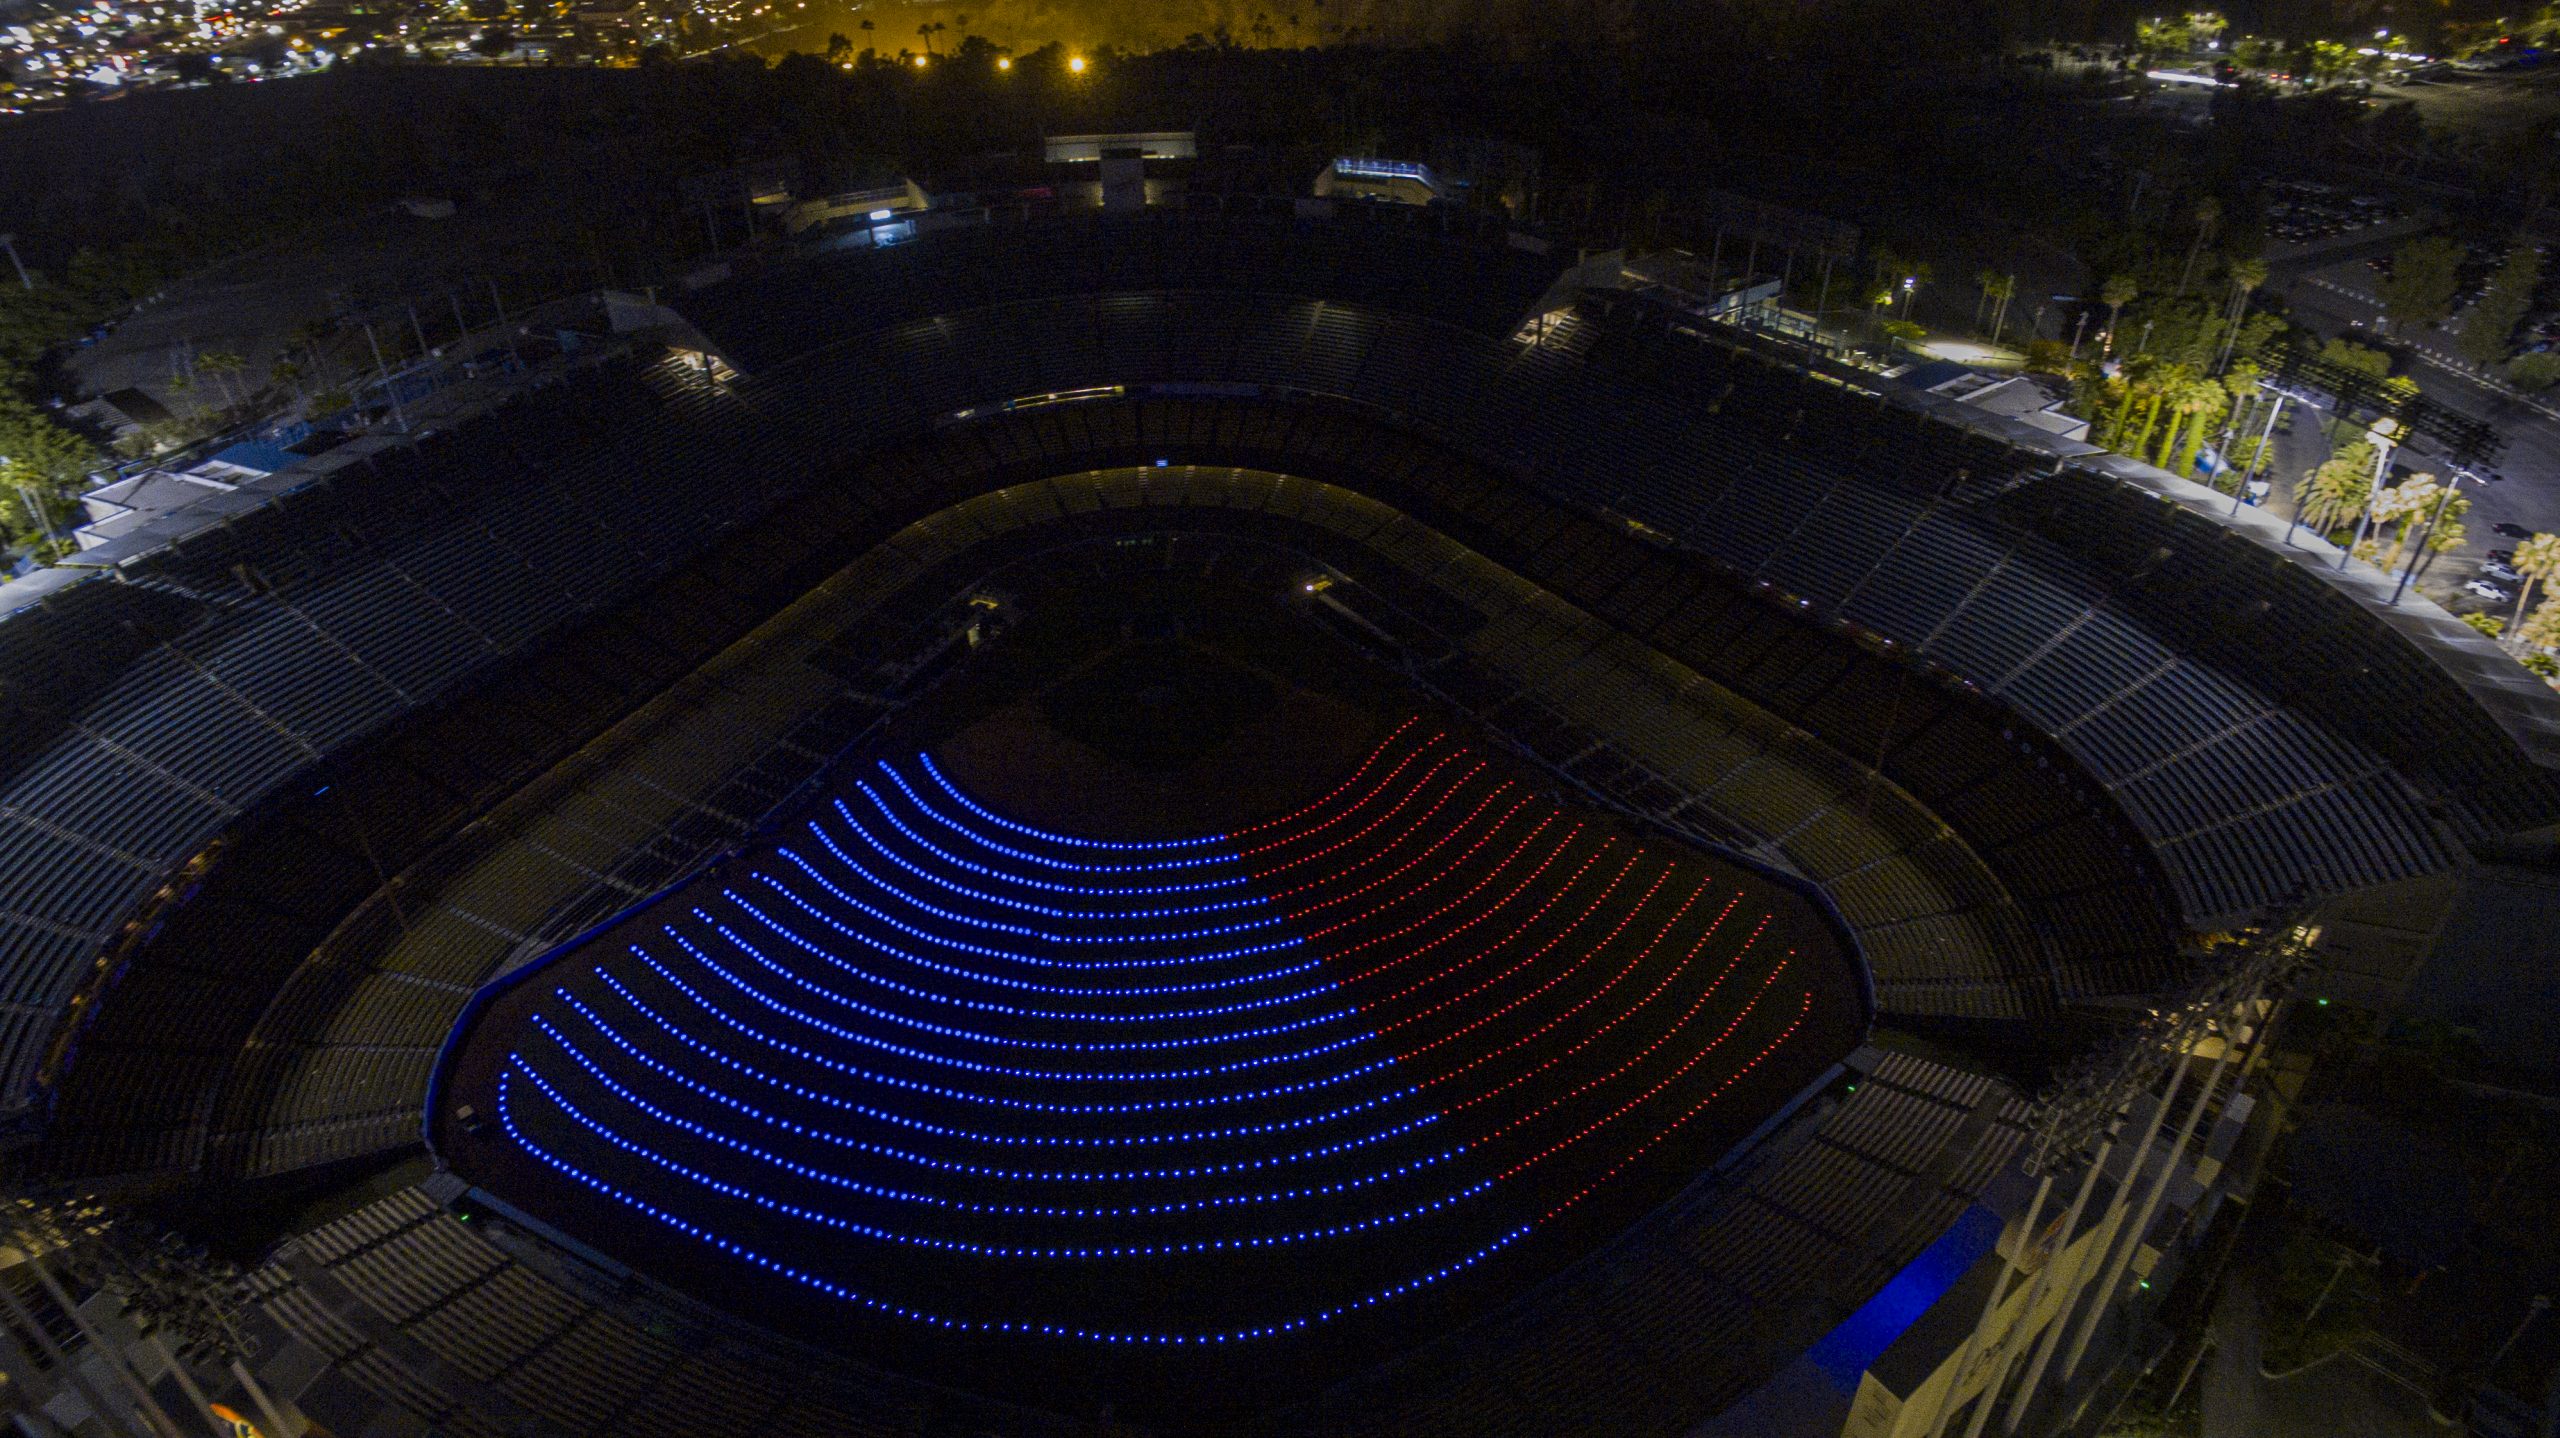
2502	556
2501	572
2483	589
2513	531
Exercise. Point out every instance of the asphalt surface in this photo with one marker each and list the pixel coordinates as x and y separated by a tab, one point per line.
2341	1398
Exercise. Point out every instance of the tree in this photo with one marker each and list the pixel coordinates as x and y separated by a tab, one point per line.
2334	493
2488	624
1985	281
2508	299
2245	274
2115	294
2363	359
2408	506
2002	292
222	365
2542	631
2536	559
2424	277
2208	219
2535	371
2192	400
839	49
2156	384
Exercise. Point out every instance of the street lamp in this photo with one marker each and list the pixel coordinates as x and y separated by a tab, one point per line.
2267	442
1075	64
2381	432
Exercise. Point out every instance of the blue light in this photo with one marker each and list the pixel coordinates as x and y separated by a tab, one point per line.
1042	859
938	1044
506	1117
934	772
980	896
1038	1140
735	1104
854	1071
946	856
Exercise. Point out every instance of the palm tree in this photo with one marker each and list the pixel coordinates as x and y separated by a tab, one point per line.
1986	280
927	31
2405	506
2334	493
2115	294
2003	292
2246	274
2165	383
2536	558
2135	379
2542	631
2208	215
2198	402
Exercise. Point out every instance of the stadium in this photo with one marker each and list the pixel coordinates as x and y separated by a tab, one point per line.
1241	817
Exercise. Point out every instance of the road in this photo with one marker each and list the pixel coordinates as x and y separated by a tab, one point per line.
2338	1399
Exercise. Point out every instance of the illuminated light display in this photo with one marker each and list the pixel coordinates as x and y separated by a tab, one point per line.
1407	1026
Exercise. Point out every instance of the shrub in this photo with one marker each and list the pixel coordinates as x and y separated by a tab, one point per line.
2534	371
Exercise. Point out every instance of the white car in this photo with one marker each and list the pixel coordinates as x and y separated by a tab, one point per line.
2485	590
2504	574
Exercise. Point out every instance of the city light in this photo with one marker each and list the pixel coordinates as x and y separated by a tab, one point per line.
1004	62
1075	64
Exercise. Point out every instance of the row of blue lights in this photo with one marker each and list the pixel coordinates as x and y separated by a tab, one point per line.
1024	1327
1045	885
839	1222
933	771
817	827
982	951
878	845
1028	1140
1044	860
970	1095
832	1179
1006	981
1053	1045
820	951
830	1137
1024	930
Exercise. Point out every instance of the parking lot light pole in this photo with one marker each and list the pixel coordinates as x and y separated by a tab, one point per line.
2266	439
2435	515
2382	448
2307	402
